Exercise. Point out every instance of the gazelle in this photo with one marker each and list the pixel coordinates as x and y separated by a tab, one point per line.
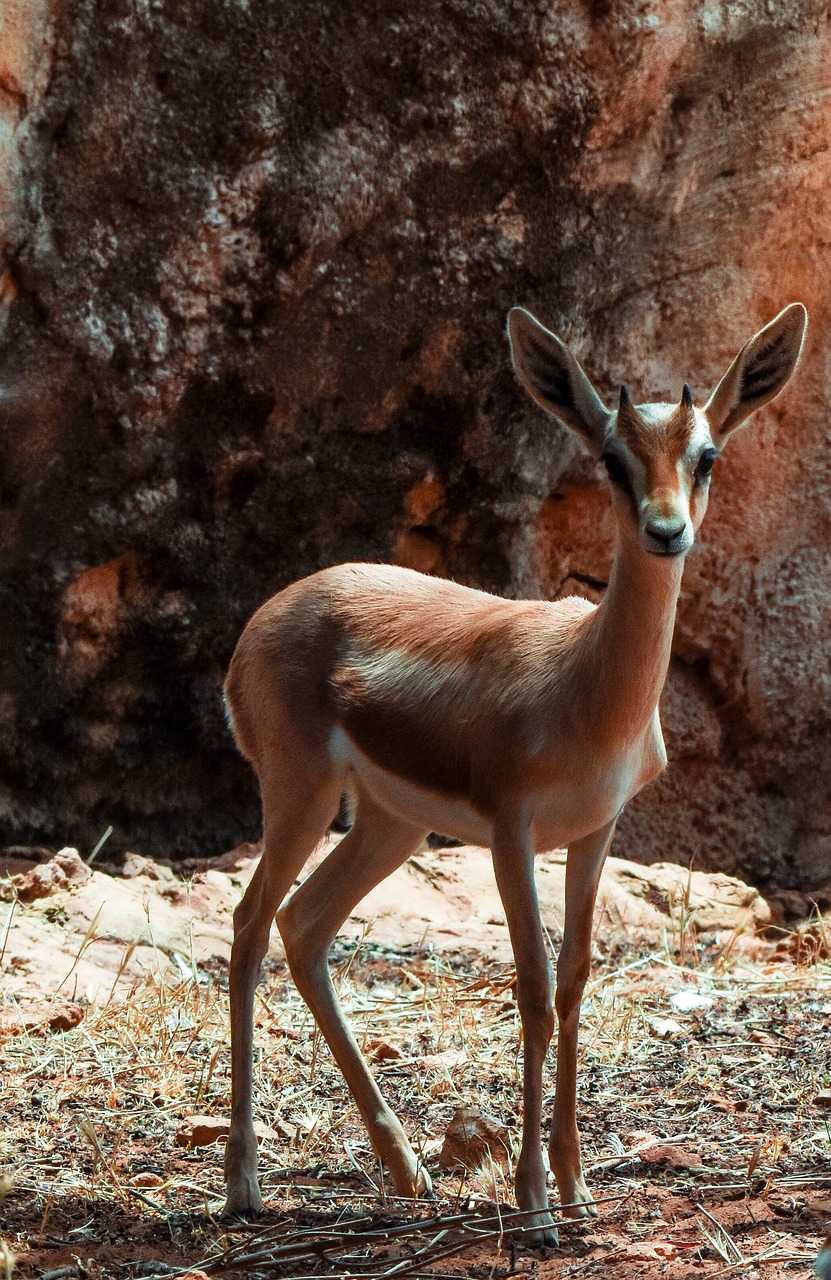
523	725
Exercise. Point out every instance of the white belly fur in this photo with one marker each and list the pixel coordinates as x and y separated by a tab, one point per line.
558	816
562	815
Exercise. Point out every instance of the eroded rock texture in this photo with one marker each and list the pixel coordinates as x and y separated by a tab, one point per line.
258	258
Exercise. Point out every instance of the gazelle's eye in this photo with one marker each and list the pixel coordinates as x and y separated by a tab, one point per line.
616	471
705	465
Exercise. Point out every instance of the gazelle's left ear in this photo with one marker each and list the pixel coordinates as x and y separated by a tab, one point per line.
759	372
550	373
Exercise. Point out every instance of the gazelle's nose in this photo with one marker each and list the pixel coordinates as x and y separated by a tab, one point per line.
665	531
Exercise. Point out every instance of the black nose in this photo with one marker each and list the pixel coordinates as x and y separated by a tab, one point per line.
664	533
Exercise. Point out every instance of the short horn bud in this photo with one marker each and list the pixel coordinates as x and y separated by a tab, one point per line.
625	398
686	397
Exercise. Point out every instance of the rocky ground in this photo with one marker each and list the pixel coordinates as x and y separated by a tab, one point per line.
705	1080
64	912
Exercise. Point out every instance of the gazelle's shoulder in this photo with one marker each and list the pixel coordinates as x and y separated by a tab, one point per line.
575	605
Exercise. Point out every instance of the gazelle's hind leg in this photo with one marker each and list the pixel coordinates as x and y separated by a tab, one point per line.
377	844
298	805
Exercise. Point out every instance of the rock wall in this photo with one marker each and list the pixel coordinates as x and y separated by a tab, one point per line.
256	262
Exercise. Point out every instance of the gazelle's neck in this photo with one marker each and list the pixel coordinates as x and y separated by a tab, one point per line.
629	640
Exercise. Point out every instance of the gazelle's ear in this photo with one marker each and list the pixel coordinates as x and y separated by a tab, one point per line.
759	372
548	370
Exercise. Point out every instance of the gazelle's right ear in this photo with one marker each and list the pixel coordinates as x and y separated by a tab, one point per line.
548	370
759	372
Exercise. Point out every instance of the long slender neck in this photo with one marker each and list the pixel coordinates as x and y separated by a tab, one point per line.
626	649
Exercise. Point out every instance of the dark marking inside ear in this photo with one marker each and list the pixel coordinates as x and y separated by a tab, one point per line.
552	375
768	369
549	377
759	372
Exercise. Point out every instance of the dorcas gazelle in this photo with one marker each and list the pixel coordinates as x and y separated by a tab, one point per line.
523	725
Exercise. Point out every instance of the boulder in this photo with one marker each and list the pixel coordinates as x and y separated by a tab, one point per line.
63	870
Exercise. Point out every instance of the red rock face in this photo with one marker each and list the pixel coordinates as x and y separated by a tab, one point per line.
256	265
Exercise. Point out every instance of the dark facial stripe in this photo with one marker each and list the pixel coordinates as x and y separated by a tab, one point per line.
617	472
620	479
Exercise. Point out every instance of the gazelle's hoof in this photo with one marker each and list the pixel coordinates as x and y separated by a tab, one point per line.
536	1226
540	1231
579	1203
409	1177
822	1266
243	1199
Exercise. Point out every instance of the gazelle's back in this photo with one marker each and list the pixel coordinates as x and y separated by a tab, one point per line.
408	666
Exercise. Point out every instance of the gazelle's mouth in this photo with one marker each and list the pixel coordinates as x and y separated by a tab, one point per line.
666	550
667	553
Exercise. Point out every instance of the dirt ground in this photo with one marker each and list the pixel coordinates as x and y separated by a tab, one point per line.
704	1090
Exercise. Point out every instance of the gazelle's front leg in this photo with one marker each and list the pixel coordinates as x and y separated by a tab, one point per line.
513	861
585	862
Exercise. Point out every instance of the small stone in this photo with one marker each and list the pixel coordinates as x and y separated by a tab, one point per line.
40	1015
147	1179
39	882
72	865
687	1001
382	1051
644	1251
203	1131
65	1017
471	1138
642	1138
265	1133
666	1028
762	1038
823	1100
135	864
445	1061
671	1157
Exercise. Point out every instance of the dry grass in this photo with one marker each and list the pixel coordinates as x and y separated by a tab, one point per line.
93	1183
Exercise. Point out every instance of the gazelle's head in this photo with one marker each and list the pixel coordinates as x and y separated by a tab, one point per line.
658	456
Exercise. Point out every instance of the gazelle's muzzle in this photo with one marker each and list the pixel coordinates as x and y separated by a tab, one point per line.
666	532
